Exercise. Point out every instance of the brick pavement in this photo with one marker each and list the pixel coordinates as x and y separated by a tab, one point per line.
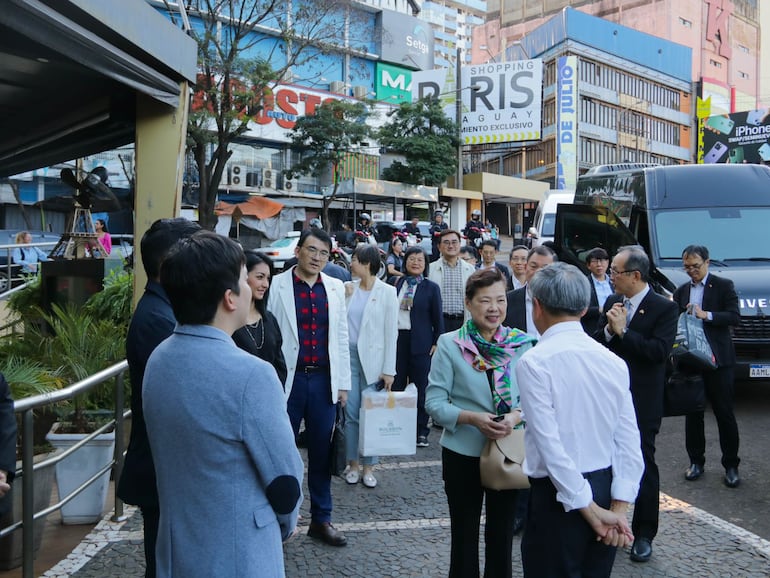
401	529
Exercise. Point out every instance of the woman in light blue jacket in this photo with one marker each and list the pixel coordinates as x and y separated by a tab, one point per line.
372	333
473	394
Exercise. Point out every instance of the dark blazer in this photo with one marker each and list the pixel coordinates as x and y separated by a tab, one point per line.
7	439
153	321
720	298
590	320
425	316
516	313
645	349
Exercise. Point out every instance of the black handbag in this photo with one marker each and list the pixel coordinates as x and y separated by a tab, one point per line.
683	393
337	452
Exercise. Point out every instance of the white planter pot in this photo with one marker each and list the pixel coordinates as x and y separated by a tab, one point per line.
75	469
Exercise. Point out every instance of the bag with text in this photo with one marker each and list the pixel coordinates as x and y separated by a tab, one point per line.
388	422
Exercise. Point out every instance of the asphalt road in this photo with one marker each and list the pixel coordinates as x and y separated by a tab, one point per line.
747	506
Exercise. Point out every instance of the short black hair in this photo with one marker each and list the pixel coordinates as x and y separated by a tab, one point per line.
413	250
368	255
319	234
469	250
597	253
543	251
489	243
696	250
253	258
518	248
197	272
159	238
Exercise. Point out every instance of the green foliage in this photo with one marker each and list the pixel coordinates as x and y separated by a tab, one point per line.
114	302
28	377
25	303
422	133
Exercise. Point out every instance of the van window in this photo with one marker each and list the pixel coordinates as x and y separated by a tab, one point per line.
730	233
549	225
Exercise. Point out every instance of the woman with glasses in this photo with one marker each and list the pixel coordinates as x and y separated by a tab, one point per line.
261	335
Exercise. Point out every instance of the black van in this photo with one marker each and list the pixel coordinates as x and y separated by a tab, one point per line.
665	208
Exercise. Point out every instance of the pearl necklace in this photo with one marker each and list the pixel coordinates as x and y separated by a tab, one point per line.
249	327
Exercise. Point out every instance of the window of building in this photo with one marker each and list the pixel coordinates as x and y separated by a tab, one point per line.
743	74
743	48
715	63
684	22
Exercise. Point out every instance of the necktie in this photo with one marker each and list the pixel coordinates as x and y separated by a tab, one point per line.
629	310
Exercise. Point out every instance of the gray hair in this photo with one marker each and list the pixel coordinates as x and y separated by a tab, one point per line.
637	260
560	289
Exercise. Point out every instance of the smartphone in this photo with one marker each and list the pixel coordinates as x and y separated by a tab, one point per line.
380	385
498	418
736	155
755	117
764	152
720	124
716	153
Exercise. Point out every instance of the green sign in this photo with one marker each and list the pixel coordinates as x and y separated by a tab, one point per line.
394	83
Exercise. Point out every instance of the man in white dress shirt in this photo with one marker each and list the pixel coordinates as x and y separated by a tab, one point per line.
582	443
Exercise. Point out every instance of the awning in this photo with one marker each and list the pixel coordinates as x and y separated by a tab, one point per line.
70	71
460	194
259	207
506	190
371	190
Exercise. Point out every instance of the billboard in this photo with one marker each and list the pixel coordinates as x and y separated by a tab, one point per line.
740	137
439	83
505	103
566	122
393	84
405	40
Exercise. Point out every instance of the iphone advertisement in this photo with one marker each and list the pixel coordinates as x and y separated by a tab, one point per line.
740	137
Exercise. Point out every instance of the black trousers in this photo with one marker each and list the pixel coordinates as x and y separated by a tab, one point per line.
453	323
559	544
415	369
647	506
151	516
462	484
719	391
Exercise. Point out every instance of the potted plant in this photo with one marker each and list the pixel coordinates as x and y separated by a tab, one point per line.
80	346
27	378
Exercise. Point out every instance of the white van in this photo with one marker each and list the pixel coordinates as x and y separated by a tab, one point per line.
544	224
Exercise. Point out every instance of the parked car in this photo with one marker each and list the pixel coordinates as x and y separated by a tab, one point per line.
281	250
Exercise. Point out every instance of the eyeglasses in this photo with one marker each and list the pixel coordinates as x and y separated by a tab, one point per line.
316	253
693	267
616	272
450	242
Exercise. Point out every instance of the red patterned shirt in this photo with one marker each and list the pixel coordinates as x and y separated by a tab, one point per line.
312	322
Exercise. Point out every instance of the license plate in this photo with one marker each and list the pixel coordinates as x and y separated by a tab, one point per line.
759	371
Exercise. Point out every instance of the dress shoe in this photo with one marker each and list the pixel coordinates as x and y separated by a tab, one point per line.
518	526
641	551
327	533
732	479
694	472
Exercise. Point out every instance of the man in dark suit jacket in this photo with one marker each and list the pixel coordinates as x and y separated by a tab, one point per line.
488	251
518	314
712	299
644	343
152	322
597	261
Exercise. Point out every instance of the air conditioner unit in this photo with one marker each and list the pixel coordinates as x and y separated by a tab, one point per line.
268	178
337	87
238	175
288	183
254	179
360	92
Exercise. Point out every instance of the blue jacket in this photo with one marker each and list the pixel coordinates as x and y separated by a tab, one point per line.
425	316
229	474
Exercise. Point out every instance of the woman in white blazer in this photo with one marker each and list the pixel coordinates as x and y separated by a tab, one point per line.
373	332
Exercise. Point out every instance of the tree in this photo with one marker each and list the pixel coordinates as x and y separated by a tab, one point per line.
325	138
426	137
239	64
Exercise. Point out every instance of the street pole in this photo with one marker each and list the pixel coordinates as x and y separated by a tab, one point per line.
459	120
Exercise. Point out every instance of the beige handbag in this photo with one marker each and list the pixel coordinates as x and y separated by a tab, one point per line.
500	463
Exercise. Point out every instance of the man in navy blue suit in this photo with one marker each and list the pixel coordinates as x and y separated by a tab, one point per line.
712	299
152	322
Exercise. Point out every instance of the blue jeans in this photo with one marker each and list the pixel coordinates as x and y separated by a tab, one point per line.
310	398
353	409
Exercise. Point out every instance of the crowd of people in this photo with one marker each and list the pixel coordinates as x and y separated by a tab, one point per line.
577	360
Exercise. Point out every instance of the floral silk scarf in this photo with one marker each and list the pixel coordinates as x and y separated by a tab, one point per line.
500	355
407	300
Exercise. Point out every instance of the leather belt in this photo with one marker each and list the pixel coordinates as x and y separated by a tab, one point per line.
313	369
453	315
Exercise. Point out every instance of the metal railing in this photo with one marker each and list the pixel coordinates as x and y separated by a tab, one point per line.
26	407
12	272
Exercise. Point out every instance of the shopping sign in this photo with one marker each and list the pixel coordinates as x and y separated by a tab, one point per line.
502	102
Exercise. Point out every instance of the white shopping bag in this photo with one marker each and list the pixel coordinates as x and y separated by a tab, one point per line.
388	422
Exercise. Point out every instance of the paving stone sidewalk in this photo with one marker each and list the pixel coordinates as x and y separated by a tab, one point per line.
401	529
